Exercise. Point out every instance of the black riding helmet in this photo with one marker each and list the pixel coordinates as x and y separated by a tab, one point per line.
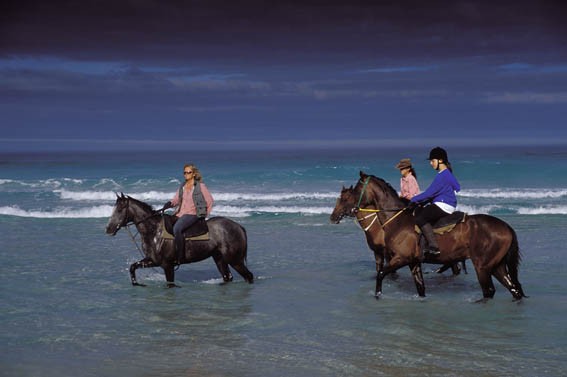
438	153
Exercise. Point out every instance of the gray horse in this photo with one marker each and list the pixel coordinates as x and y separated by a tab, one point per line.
227	242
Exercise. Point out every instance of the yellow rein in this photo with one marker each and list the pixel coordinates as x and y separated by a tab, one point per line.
374	212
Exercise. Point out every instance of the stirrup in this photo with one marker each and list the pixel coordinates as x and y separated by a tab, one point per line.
433	251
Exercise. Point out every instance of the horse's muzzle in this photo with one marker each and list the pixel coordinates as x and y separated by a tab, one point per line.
112	231
336	219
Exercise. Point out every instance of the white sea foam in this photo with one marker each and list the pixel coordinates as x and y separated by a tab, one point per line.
100	211
108	182
527	193
275	196
235	211
551	210
104	211
110	195
474	210
219	197
89	212
491	209
49	183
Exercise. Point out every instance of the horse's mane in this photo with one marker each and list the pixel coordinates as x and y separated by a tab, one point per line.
145	206
385	186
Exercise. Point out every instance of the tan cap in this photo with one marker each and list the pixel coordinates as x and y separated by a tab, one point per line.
404	163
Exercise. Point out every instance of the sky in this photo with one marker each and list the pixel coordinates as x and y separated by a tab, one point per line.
148	74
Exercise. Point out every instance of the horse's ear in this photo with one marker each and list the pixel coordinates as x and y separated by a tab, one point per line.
122	195
363	175
351	188
118	196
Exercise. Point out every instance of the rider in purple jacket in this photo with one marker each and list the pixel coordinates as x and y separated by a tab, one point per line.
440	198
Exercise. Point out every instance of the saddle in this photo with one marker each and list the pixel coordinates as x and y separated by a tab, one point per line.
446	223
196	232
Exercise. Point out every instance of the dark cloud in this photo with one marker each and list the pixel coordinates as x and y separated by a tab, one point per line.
241	70
273	30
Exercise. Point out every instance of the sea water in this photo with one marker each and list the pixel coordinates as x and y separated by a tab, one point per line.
68	308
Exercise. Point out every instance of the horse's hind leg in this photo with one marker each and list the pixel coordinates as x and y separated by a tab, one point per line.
417	274
485	281
504	278
222	267
170	276
243	271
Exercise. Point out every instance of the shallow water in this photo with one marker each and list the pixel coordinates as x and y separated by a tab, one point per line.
68	307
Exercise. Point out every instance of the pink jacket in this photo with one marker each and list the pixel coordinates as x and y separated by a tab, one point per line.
188	206
409	187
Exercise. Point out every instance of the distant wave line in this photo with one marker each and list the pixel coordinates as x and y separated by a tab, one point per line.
78	213
164	196
62	187
104	211
514	194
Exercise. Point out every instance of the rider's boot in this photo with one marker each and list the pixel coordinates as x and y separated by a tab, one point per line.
179	249
432	248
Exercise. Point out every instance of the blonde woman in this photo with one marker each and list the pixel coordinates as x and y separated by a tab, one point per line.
193	201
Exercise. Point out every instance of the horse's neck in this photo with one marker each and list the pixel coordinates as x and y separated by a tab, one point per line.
145	224
382	201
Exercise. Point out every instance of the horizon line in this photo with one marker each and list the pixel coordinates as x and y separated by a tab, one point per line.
63	144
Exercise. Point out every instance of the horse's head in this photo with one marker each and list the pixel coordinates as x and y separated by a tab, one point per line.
345	206
120	215
369	192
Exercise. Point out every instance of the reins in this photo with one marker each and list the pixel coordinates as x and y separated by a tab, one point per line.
136	223
374	212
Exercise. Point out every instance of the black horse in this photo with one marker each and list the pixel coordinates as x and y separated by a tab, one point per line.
227	242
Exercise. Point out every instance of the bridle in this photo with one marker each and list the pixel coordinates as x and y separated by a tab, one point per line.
127	224
373	212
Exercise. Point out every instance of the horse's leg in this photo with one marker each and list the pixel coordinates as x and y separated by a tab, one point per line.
379	278
243	271
222	267
504	278
453	266
378	257
485	281
144	263
417	274
391	268
169	271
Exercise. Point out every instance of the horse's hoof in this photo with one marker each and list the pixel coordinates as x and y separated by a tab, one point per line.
378	295
483	300
173	285
138	285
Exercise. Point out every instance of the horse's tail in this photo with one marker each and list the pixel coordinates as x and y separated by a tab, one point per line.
513	259
245	251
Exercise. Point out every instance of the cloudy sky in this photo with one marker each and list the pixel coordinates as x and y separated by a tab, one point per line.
148	73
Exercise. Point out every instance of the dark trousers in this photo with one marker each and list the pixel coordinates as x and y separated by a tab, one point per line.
180	226
428	215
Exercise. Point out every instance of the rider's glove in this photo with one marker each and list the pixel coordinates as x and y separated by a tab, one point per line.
411	206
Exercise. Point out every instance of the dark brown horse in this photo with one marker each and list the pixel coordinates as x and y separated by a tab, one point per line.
489	242
227	243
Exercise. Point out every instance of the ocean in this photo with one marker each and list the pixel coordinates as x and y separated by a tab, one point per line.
68	308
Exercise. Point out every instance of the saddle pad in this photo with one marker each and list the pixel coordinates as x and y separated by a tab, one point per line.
190	234
446	223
